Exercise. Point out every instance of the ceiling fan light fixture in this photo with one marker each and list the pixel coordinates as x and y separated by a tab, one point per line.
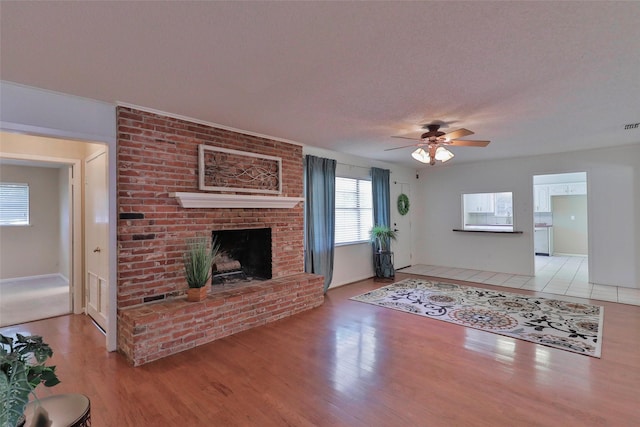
435	142
421	155
443	154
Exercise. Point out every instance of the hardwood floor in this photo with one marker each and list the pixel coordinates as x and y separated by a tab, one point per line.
353	364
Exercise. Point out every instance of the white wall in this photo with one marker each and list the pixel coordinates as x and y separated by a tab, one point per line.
613	180
570	225
42	112
354	262
32	250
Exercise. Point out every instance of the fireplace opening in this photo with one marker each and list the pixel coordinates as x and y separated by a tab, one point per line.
244	255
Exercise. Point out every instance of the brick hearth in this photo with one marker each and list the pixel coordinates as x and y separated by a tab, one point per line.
158	156
152	331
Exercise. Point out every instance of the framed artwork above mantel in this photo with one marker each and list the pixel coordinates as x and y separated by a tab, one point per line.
223	169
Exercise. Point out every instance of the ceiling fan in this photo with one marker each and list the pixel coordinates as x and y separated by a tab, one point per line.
434	141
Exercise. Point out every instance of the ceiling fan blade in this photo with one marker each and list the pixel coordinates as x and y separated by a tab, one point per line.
417	138
404	146
468	143
460	133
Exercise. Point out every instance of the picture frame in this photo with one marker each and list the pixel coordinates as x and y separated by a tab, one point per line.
223	169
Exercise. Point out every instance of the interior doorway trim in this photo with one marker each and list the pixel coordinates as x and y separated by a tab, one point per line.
112	325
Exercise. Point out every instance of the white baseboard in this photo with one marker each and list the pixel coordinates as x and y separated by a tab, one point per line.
564	254
349	281
38	277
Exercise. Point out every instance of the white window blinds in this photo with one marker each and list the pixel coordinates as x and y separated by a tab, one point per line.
14	204
354	210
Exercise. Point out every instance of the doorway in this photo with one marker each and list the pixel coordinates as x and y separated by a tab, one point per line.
560	221
38	272
66	201
401	223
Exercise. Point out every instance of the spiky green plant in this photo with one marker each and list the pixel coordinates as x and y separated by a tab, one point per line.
382	235
198	260
22	369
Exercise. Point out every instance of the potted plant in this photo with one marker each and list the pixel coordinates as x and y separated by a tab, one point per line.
198	260
22	369
381	237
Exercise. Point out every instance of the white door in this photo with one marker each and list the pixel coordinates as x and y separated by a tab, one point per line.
97	238
402	224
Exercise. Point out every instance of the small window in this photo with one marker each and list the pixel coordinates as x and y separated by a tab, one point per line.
14	204
503	204
354	210
488	211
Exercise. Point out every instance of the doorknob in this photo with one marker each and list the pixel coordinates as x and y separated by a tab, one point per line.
396	230
97	249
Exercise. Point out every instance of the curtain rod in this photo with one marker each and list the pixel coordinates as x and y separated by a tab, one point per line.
356	166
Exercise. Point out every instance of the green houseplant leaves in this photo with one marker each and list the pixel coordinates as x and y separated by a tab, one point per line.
197	260
22	369
382	235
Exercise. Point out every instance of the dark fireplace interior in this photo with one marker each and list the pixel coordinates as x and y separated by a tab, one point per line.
244	255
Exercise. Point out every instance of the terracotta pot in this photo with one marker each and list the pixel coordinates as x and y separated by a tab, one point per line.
197	294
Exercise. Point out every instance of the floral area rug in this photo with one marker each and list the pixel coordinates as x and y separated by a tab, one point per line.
570	326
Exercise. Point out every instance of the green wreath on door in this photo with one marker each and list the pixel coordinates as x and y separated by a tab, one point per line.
403	204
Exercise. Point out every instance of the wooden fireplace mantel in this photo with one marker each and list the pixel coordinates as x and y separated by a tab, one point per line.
209	200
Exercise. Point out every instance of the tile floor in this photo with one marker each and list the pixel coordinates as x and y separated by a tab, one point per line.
560	275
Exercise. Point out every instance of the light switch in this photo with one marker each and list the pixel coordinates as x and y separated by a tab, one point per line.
573	217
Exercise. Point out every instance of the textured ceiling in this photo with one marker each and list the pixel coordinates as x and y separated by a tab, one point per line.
532	77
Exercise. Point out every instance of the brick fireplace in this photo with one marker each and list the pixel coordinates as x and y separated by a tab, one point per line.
157	158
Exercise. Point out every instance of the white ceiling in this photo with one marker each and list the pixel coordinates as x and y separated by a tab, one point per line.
532	77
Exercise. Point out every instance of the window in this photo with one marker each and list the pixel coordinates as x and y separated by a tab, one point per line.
354	210
14	204
488	211
504	204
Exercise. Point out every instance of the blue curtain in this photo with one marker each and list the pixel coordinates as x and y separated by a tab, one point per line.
381	196
320	216
383	264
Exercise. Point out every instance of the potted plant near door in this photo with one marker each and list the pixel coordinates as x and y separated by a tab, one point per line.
22	369
198	261
381	237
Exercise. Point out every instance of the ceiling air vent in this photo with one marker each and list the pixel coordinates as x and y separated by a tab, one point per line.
632	126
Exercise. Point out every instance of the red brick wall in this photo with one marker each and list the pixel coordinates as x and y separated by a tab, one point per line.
152	331
158	155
